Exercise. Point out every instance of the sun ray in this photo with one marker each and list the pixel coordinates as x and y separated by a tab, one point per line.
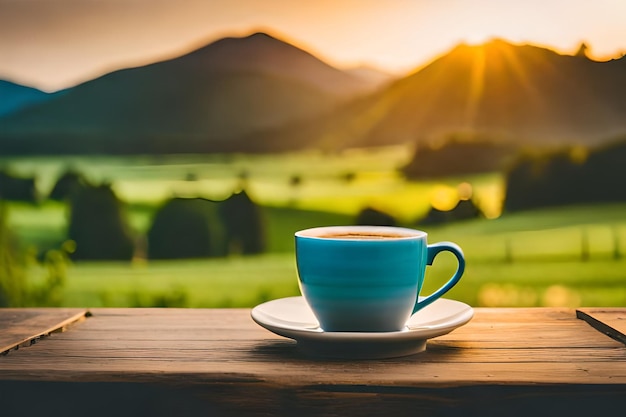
476	85
451	73
522	75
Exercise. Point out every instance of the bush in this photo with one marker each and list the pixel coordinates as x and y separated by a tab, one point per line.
245	226
98	226
12	271
15	290
187	228
372	217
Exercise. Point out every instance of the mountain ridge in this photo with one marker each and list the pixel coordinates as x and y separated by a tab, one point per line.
208	95
521	93
14	97
260	94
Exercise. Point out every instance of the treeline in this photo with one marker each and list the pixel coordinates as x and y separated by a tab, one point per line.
460	154
51	144
198	227
571	176
181	227
534	177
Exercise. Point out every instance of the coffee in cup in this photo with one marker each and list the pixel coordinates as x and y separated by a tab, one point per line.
367	278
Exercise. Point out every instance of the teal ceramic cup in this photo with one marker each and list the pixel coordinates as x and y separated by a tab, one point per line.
367	278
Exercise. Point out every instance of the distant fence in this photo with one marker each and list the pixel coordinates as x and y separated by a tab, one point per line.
576	243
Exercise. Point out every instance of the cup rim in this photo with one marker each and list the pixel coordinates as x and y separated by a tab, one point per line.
403	233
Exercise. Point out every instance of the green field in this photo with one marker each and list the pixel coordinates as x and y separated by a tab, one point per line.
547	264
569	256
342	182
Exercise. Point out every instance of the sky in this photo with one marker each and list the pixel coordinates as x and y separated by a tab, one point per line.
54	44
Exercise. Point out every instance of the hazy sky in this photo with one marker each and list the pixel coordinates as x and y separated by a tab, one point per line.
51	44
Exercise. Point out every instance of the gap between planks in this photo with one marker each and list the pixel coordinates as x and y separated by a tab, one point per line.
40	330
611	322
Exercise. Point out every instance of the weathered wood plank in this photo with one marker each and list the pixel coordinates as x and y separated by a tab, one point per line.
219	362
298	373
23	327
610	321
253	351
225	344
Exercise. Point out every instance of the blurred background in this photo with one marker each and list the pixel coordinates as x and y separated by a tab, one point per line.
163	153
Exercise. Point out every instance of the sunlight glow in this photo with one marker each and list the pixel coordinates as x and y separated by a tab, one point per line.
444	197
522	75
477	84
465	191
57	44
498	295
561	296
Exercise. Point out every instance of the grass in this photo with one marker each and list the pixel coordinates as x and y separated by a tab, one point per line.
547	264
559	256
230	282
247	281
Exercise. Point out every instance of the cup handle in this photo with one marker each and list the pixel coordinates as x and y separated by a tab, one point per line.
433	250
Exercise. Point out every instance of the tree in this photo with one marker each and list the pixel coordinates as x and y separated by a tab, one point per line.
187	228
66	185
98	226
245	227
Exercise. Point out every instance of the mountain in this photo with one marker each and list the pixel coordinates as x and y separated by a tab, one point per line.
199	102
14	97
520	93
261	52
258	93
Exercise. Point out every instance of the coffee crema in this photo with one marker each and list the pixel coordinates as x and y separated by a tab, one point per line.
362	236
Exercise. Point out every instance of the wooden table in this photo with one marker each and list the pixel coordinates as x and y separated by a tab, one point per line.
152	362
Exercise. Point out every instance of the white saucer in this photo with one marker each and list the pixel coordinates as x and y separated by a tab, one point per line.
292	318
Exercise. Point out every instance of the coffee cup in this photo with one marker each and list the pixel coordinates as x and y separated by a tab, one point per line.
367	278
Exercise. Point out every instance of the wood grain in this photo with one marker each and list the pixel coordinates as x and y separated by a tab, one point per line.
24	327
497	346
219	362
